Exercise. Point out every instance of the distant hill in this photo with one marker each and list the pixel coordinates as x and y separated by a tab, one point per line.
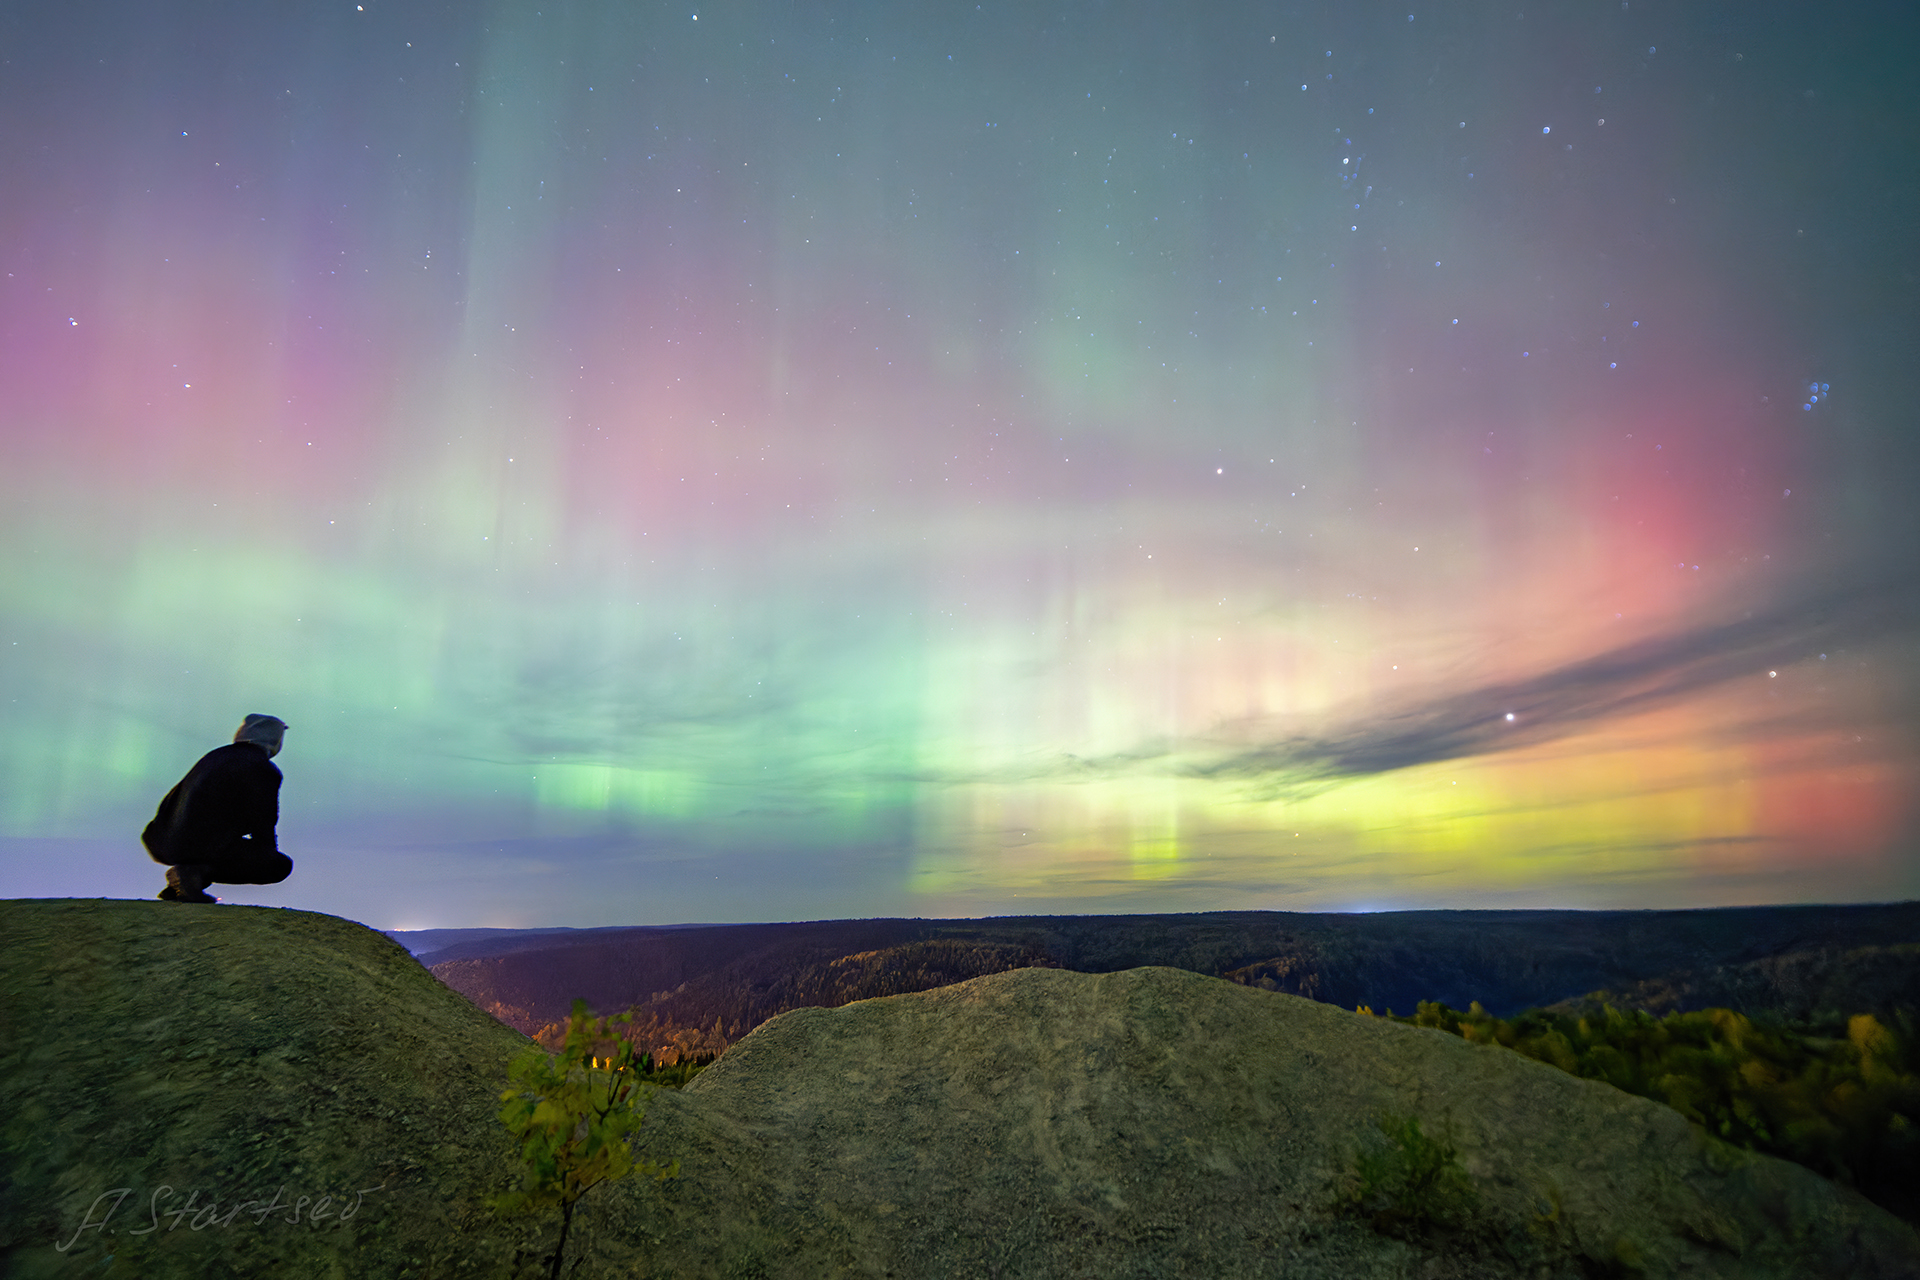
433	946
1034	1123
426	942
699	989
1818	985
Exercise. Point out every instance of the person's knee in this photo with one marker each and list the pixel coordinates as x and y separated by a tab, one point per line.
265	868
269	868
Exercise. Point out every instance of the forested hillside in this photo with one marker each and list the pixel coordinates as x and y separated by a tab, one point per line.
696	989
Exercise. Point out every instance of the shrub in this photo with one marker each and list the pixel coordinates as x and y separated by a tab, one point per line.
572	1122
1414	1185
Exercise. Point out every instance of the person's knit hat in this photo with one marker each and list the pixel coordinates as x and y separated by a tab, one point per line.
265	730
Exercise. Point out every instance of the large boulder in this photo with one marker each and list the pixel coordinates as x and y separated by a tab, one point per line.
1157	1122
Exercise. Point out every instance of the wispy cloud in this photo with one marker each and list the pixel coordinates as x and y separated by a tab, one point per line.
1645	676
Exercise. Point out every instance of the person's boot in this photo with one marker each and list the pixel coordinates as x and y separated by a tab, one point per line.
187	882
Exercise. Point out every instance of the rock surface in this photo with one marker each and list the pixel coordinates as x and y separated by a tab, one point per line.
1038	1123
226	1056
1157	1122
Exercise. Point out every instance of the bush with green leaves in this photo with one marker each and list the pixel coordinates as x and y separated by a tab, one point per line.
1845	1105
1414	1184
572	1119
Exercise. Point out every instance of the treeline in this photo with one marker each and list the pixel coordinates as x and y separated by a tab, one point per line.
662	1041
1784	960
1841	1100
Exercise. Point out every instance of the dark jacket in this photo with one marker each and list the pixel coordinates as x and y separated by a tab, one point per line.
233	792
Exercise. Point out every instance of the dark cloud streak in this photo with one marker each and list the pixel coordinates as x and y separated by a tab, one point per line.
1634	679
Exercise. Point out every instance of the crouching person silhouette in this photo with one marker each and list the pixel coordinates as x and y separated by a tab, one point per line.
216	825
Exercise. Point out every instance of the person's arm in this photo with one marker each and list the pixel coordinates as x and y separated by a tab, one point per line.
263	809
158	837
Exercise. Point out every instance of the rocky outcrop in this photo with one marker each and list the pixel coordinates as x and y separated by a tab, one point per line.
1036	1123
208	1091
1157	1122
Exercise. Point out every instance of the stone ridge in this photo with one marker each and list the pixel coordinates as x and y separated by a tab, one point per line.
1155	1121
227	1056
1035	1123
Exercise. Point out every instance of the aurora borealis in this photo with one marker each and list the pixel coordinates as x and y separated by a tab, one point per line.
779	461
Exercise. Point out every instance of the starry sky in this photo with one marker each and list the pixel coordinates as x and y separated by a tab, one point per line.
813	460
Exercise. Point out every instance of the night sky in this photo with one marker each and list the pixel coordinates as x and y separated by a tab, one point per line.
783	461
